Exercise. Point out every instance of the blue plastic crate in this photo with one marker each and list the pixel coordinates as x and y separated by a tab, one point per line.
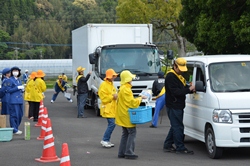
6	134
140	115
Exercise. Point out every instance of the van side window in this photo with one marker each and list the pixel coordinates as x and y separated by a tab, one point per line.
189	74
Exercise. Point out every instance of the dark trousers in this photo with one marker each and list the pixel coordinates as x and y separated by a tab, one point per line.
34	106
127	144
176	132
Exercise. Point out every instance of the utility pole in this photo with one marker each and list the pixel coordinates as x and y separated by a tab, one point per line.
41	54
16	52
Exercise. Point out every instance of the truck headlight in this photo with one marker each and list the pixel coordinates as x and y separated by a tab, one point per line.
222	116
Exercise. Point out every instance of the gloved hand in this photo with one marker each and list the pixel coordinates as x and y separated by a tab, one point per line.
21	87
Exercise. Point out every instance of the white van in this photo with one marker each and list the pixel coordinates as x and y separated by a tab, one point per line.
219	112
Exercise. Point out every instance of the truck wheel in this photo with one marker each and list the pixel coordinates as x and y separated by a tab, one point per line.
97	110
213	151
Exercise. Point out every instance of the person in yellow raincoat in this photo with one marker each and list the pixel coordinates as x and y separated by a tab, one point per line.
30	86
37	95
125	101
108	95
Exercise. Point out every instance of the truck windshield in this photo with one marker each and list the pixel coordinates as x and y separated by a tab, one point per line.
230	76
140	61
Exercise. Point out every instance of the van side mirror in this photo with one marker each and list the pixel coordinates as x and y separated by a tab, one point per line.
199	86
92	58
170	54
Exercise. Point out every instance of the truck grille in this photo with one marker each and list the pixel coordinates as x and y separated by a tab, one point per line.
137	89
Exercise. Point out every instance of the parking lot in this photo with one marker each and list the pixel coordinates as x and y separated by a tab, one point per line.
83	136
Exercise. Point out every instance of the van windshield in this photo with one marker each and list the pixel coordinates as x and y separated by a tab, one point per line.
140	61
230	76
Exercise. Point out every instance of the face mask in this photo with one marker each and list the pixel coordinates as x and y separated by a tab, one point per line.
15	73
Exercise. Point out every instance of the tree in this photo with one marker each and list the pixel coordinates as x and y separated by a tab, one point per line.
4	37
217	27
163	14
85	4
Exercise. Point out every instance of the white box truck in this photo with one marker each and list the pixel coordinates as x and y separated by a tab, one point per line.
98	47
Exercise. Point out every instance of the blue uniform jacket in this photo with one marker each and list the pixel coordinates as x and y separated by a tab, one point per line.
16	95
58	89
4	95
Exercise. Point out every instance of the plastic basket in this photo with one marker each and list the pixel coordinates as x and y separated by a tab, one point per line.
6	134
140	115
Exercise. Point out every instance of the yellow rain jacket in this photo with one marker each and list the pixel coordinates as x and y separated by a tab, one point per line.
125	101
108	104
29	88
40	88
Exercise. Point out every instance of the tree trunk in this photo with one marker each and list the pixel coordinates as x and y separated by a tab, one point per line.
181	42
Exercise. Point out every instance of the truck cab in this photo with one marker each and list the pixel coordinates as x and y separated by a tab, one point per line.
140	59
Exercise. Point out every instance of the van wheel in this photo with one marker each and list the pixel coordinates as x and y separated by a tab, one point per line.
213	151
97	110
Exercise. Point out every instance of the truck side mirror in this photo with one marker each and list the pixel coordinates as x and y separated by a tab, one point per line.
92	58
170	54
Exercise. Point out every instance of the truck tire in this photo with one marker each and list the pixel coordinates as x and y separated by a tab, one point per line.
97	110
213	151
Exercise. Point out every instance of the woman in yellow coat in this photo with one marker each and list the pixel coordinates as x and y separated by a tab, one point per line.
108	95
29	88
37	94
125	101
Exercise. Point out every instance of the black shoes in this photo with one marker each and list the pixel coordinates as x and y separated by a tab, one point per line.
131	157
186	151
121	156
152	126
170	149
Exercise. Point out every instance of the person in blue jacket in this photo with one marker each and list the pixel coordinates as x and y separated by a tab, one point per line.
5	96
15	89
60	86
25	76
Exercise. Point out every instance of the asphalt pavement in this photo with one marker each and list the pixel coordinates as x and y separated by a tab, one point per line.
83	136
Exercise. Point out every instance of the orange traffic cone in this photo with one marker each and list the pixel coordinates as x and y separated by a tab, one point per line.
49	150
65	159
40	116
44	125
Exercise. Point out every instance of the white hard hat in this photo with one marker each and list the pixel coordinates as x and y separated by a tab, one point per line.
26	70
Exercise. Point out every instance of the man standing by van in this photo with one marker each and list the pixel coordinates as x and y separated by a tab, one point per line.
176	90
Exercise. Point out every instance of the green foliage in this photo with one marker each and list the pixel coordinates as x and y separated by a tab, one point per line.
47	24
4	36
217	27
